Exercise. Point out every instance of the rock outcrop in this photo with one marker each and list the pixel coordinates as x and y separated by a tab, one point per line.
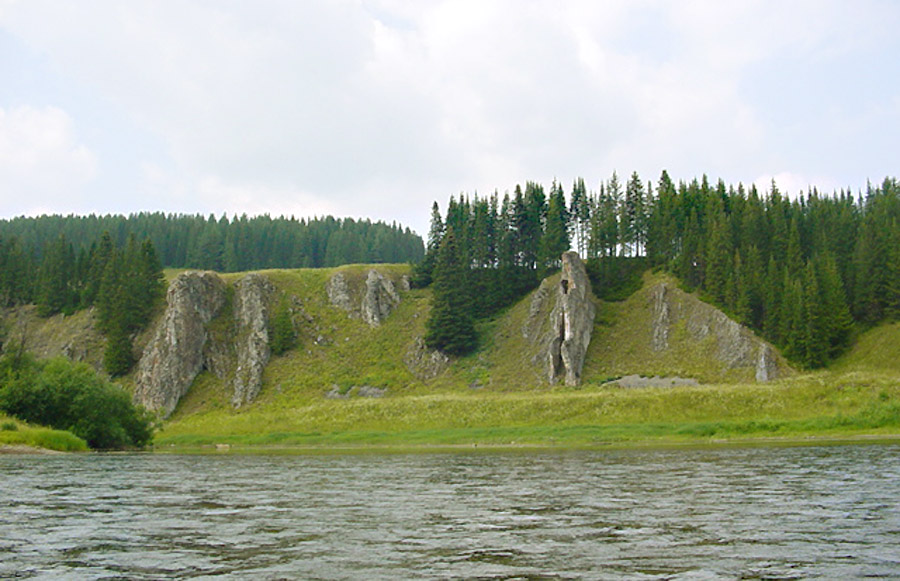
380	299
573	318
175	355
185	343
373	302
563	335
730	343
339	292
425	363
252	296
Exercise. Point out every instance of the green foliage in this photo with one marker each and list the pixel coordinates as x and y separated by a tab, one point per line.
55	292
555	239
283	336
15	267
450	326
234	244
615	278
71	396
15	433
118	357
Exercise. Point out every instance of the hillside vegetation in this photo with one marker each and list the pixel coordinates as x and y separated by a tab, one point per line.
498	395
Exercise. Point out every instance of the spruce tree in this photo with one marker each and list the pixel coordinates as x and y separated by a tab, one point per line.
719	257
423	272
837	322
450	326
55	279
555	240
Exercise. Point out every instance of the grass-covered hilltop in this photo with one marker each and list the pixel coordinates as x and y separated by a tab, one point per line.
639	314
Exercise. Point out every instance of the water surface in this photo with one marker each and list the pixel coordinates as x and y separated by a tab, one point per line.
760	513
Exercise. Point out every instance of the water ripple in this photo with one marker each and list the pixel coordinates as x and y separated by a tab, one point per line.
792	513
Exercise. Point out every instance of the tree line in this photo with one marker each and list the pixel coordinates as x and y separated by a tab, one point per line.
227	244
800	271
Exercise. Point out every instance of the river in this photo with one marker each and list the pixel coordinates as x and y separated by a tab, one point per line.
726	513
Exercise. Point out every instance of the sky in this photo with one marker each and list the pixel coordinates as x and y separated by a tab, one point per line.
376	108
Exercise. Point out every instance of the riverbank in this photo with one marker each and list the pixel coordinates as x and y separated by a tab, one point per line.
819	407
17	437
697	444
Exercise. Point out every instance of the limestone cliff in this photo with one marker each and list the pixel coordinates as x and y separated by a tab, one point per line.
730	343
175	355
372	301
185	342
563	336
252	297
380	299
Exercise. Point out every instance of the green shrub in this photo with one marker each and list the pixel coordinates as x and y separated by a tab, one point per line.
71	396
9	426
281	329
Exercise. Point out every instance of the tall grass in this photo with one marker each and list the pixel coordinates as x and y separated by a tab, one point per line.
13	432
796	408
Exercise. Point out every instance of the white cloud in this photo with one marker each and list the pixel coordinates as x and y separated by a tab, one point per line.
793	185
41	160
379	106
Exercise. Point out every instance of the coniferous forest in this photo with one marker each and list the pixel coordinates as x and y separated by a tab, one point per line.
803	272
115	263
225	244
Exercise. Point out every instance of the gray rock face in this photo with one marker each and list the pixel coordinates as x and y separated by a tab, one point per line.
766	364
174	356
339	292
423	362
380	299
735	346
560	322
572	321
252	295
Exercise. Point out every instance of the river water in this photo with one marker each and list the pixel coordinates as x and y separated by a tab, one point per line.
753	513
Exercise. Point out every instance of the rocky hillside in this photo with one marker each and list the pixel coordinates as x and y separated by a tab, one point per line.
664	331
360	334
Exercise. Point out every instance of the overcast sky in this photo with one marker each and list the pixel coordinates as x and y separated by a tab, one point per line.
376	108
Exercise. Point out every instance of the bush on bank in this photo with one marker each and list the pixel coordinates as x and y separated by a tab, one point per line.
71	396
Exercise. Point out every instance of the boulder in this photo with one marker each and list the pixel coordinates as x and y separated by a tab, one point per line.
174	356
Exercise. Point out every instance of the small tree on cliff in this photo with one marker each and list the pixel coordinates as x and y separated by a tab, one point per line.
450	326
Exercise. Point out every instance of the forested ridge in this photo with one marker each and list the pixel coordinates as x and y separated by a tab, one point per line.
226	244
114	263
802	271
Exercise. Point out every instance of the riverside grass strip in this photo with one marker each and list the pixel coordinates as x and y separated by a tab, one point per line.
838	406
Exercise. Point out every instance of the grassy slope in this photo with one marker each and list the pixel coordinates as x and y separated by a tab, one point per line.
496	396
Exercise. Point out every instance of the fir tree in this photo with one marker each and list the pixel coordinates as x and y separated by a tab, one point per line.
555	240
450	325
